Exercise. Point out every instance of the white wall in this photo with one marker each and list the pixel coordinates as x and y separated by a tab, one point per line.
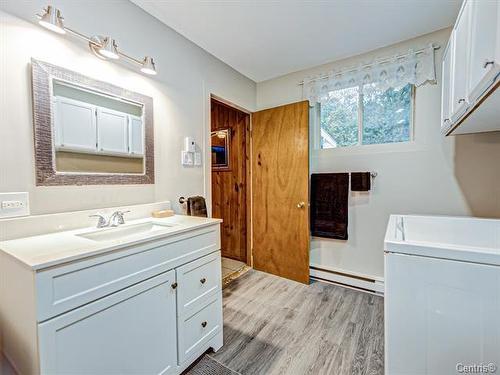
187	75
424	177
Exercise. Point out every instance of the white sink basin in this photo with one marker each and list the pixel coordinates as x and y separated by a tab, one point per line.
116	233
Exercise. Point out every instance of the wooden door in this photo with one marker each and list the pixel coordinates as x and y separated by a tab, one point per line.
229	184
280	191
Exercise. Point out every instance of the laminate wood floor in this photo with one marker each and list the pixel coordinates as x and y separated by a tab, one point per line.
277	326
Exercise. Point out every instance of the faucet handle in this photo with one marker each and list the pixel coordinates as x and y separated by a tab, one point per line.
102	222
117	218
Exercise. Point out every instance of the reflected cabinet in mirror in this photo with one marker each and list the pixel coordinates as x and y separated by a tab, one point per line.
220	148
89	132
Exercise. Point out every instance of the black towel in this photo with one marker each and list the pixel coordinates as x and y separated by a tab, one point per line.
361	181
196	206
329	205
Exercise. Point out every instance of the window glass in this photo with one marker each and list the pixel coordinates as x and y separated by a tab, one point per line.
386	115
339	118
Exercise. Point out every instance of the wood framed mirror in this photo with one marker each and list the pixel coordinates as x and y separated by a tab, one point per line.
89	132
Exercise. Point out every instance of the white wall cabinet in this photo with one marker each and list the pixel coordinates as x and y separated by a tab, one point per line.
75	125
112	131
484	63
86	128
446	82
136	135
460	50
470	102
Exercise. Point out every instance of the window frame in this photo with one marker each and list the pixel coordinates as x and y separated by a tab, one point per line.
360	124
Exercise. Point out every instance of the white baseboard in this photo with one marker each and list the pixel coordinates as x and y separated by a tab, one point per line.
374	285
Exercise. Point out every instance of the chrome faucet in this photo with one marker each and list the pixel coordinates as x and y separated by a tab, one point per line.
101	222
117	218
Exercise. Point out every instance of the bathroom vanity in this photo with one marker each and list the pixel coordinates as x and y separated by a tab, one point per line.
144	297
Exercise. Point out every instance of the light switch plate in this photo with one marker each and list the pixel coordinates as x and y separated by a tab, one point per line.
14	205
197	158
187	158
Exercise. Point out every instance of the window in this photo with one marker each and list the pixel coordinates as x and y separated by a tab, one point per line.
365	115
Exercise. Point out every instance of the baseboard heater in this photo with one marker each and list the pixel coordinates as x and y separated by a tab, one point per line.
361	283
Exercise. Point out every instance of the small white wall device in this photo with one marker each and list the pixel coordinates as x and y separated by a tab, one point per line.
189	155
189	144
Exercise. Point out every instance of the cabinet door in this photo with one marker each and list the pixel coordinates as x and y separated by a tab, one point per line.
484	34
460	62
136	135
75	125
130	332
112	134
446	88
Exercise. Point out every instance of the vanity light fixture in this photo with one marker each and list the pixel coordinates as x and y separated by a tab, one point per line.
51	19
103	47
148	66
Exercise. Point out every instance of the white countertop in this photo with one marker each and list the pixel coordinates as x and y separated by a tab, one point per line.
42	251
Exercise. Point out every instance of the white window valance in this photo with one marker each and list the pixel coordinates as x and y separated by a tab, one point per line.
414	67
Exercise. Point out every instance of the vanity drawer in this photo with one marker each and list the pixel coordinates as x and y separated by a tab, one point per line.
197	281
66	287
196	329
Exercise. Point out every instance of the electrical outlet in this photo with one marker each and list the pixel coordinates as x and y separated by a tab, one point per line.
14	204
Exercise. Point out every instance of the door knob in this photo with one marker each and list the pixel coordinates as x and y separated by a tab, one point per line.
203	324
203	281
301	205
174	285
486	63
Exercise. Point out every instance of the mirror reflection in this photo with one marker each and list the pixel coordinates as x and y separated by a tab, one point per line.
220	148
95	132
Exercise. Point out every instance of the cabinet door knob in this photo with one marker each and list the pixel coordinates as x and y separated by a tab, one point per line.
460	101
301	205
486	63
203	324
174	285
203	281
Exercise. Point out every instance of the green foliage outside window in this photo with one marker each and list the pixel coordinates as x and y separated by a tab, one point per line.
385	116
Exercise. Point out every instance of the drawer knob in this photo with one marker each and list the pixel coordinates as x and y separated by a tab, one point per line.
174	285
203	281
203	324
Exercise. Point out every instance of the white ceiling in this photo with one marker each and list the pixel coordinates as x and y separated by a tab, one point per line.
263	39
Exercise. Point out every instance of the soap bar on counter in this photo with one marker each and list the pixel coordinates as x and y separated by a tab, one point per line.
162	213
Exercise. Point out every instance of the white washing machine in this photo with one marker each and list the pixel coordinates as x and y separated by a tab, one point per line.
442	295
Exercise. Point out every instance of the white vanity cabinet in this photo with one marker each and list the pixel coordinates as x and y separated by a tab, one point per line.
149	307
115	334
470	69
